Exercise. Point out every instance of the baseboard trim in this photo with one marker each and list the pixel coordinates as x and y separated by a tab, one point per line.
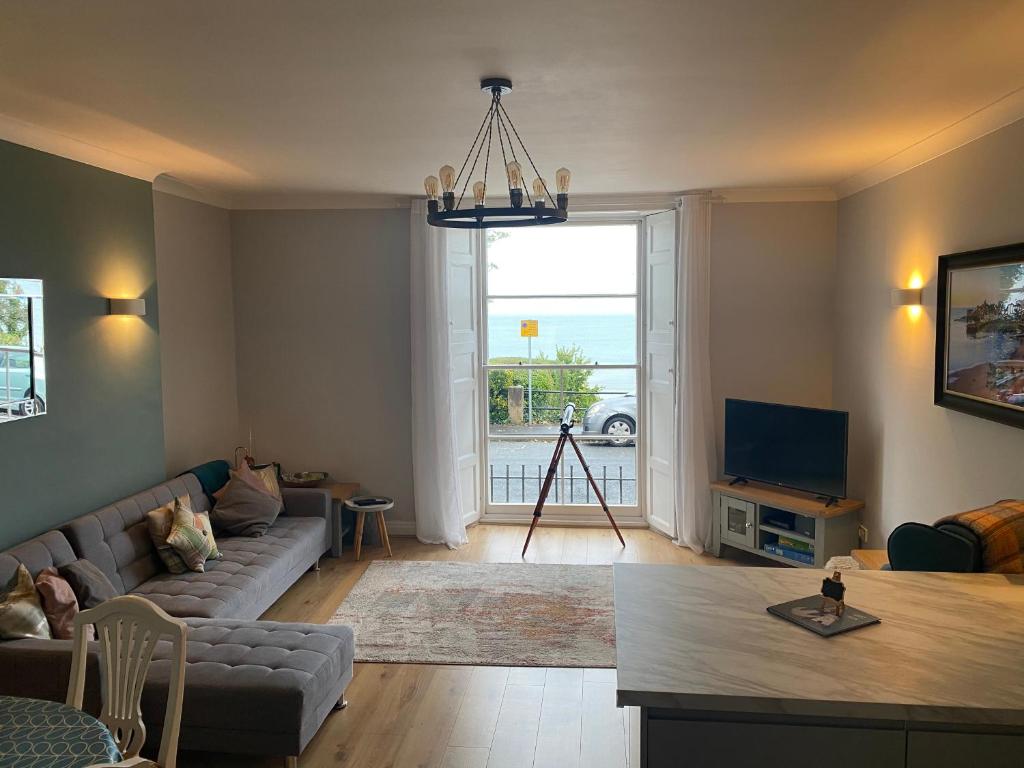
563	522
401	527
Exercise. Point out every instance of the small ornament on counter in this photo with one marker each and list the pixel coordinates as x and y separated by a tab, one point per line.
832	593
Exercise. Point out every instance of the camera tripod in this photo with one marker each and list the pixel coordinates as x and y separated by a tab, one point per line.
565	436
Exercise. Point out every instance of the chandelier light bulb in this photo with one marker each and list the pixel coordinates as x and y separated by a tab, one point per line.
562	177
447	174
479	192
539	190
515	175
431	185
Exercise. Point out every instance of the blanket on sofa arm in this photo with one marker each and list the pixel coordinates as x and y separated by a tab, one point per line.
1000	528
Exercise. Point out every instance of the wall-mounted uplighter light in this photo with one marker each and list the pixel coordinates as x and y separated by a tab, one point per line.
133	307
906	297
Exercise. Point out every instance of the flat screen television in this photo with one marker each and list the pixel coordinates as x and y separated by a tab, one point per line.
787	445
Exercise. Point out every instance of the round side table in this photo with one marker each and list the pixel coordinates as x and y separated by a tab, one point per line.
360	505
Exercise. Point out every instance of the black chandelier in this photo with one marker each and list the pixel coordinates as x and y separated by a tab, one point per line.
449	213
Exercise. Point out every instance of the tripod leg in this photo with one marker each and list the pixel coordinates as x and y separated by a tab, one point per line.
597	491
543	497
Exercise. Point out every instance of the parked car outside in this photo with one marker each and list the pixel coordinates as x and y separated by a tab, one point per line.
16	383
613	416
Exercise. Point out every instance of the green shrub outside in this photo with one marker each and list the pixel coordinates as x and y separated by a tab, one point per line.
548	386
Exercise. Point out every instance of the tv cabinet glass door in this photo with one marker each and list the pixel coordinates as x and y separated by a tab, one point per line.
739	521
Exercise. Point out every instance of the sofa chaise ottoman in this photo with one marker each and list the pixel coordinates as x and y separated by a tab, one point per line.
251	687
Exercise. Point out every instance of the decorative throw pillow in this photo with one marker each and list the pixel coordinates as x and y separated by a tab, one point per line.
192	537
21	613
244	510
268	476
59	604
90	585
159	522
261	478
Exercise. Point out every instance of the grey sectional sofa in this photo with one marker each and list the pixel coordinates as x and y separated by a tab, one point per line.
252	687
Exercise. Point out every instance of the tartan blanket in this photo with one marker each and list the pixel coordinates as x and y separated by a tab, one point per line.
1000	527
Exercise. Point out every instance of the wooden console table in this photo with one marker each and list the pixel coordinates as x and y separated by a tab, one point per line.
754	517
340	493
720	682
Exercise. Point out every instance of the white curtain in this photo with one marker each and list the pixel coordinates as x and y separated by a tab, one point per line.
694	414
434	459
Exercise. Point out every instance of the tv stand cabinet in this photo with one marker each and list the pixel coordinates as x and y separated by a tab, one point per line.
787	526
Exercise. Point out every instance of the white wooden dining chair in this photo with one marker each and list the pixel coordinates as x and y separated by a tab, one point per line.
127	629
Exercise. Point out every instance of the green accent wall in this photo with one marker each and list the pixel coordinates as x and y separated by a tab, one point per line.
88	234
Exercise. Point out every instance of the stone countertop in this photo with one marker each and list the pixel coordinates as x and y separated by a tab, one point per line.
950	648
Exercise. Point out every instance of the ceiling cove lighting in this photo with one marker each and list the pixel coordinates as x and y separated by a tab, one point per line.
497	132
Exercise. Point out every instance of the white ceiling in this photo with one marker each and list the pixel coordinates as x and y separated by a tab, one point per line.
330	96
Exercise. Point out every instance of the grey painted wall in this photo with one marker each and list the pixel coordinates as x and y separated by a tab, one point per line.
910	459
322	319
88	234
197	331
772	286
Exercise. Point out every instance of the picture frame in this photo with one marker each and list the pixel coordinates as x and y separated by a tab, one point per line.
979	333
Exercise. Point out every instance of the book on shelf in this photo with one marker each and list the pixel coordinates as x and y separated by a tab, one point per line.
799	546
790	554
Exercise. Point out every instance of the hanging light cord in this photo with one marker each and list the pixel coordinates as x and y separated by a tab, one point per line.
488	121
527	153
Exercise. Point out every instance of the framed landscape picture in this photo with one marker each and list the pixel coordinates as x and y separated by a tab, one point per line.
979	339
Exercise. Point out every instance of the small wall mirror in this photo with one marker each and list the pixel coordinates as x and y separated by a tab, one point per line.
22	349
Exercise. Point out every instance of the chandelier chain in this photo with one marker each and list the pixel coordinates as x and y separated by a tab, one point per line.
504	157
527	153
479	149
471	146
490	136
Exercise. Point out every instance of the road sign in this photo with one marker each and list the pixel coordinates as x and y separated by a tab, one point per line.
528	328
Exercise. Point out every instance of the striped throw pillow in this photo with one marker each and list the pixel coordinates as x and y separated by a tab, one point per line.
192	536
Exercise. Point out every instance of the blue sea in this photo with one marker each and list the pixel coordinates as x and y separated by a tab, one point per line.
608	339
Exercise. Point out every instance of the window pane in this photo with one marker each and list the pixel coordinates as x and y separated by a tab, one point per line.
562	260
568	330
524	402
516	471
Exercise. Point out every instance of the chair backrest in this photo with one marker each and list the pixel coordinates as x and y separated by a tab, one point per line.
920	547
127	630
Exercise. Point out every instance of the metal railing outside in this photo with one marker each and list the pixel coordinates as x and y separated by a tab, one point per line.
616	486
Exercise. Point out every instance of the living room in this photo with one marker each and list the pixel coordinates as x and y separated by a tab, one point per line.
268	389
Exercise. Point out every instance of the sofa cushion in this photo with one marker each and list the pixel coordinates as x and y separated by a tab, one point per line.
51	549
116	538
90	585
242	509
21	613
159	522
59	604
192	536
259	688
291	670
237	585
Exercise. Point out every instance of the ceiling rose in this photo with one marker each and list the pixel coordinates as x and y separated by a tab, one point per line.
523	209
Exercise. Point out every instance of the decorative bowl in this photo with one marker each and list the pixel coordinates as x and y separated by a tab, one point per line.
302	479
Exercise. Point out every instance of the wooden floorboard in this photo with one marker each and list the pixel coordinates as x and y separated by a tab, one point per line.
434	716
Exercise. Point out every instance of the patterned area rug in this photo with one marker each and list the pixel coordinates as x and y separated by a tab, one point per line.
499	614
